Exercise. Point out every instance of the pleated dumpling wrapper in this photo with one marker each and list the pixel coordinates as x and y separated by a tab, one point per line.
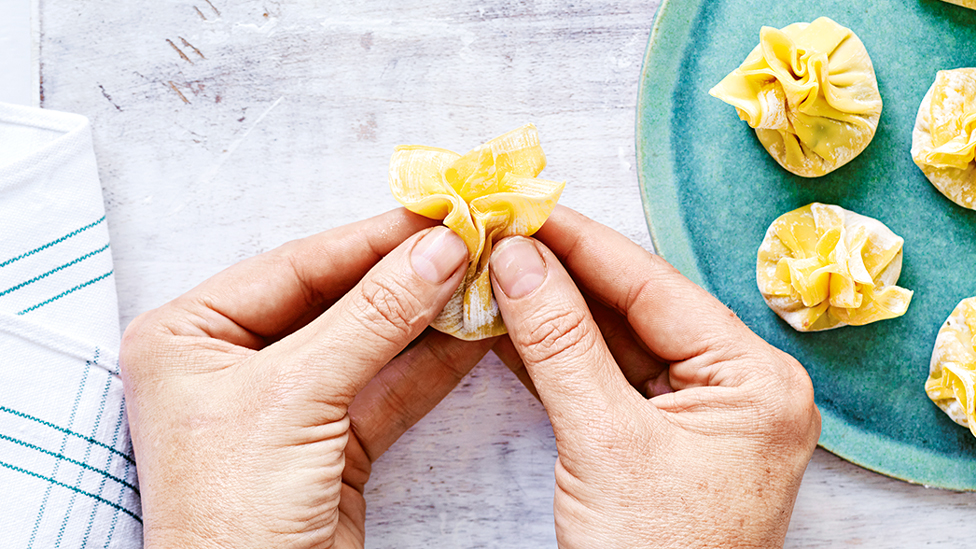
489	193
944	138
821	267
810	92
952	372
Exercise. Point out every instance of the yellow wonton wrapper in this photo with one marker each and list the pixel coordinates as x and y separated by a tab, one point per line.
810	92
486	195
971	4
952	372
821	267
944	138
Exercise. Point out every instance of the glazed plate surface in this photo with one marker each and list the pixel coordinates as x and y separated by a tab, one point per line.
710	191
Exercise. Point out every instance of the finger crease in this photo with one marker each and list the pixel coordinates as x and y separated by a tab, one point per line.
309	294
447	361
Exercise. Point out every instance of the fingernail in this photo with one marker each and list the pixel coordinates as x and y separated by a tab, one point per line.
518	267
438	254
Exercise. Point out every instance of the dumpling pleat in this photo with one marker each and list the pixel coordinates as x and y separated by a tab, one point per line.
485	195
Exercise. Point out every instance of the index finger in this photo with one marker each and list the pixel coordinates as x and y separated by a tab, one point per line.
675	317
269	294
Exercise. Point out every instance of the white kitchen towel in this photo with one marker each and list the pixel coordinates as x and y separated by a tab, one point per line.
67	475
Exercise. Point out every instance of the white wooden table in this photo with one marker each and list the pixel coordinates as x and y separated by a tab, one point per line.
223	129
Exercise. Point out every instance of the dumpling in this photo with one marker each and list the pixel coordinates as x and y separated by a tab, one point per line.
810	92
952	372
821	267
488	194
964	3
944	138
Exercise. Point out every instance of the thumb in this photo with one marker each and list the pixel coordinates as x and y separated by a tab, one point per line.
348	344
555	334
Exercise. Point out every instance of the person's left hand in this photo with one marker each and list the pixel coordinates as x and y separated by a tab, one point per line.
258	401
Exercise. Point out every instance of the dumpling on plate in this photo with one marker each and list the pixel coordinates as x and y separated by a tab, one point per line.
488	194
964	3
952	372
810	92
821	267
944	138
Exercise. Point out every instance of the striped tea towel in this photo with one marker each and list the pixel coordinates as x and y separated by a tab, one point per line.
67	476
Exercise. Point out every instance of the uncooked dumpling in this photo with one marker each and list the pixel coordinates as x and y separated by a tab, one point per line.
971	4
821	267
488	194
810	92
944	138
952	372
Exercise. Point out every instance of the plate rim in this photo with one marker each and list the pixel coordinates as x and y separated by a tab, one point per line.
669	235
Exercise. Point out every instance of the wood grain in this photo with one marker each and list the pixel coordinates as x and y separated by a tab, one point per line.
225	129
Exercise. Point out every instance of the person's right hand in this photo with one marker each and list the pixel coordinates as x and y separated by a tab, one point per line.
676	426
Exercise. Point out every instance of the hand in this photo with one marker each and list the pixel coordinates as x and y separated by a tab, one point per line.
258	400
676	426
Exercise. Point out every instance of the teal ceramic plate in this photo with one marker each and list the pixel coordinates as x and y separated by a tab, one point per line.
710	190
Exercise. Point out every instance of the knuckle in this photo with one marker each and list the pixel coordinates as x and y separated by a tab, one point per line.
137	345
131	337
794	414
796	382
388	308
803	393
558	334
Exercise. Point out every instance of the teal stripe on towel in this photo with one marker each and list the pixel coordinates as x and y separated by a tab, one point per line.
73	489
69	460
66	431
53	242
52	271
66	292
